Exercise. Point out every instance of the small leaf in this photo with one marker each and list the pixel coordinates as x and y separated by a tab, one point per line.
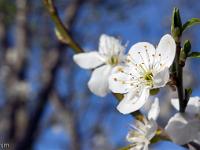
188	91
154	91
194	55
190	23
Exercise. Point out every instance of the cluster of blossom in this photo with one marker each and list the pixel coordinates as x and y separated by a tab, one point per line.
144	68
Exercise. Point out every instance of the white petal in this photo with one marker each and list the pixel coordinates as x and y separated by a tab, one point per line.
181	131
133	102
118	81
166	49
154	110
109	45
98	83
175	103
88	60
161	78
152	128
193	106
142	53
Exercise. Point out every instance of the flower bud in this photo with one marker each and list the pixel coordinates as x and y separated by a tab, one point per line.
176	27
187	47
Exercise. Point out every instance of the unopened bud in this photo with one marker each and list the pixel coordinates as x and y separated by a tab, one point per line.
176	27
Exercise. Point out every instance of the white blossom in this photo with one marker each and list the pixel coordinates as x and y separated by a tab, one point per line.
110	54
145	68
185	127
144	131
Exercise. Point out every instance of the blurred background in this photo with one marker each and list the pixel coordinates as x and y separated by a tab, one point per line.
44	100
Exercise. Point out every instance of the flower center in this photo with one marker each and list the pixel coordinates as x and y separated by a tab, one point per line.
113	60
148	76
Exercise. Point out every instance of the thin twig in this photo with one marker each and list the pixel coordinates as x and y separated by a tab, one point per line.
63	31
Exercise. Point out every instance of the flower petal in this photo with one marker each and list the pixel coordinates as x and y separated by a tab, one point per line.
175	103
110	46
152	128
161	78
154	110
98	83
193	106
118	80
166	50
133	101
88	60
142	53
181	131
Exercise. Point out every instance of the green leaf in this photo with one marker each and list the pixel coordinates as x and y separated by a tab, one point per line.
190	23
194	55
188	91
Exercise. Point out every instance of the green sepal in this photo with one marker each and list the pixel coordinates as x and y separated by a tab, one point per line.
118	96
154	91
